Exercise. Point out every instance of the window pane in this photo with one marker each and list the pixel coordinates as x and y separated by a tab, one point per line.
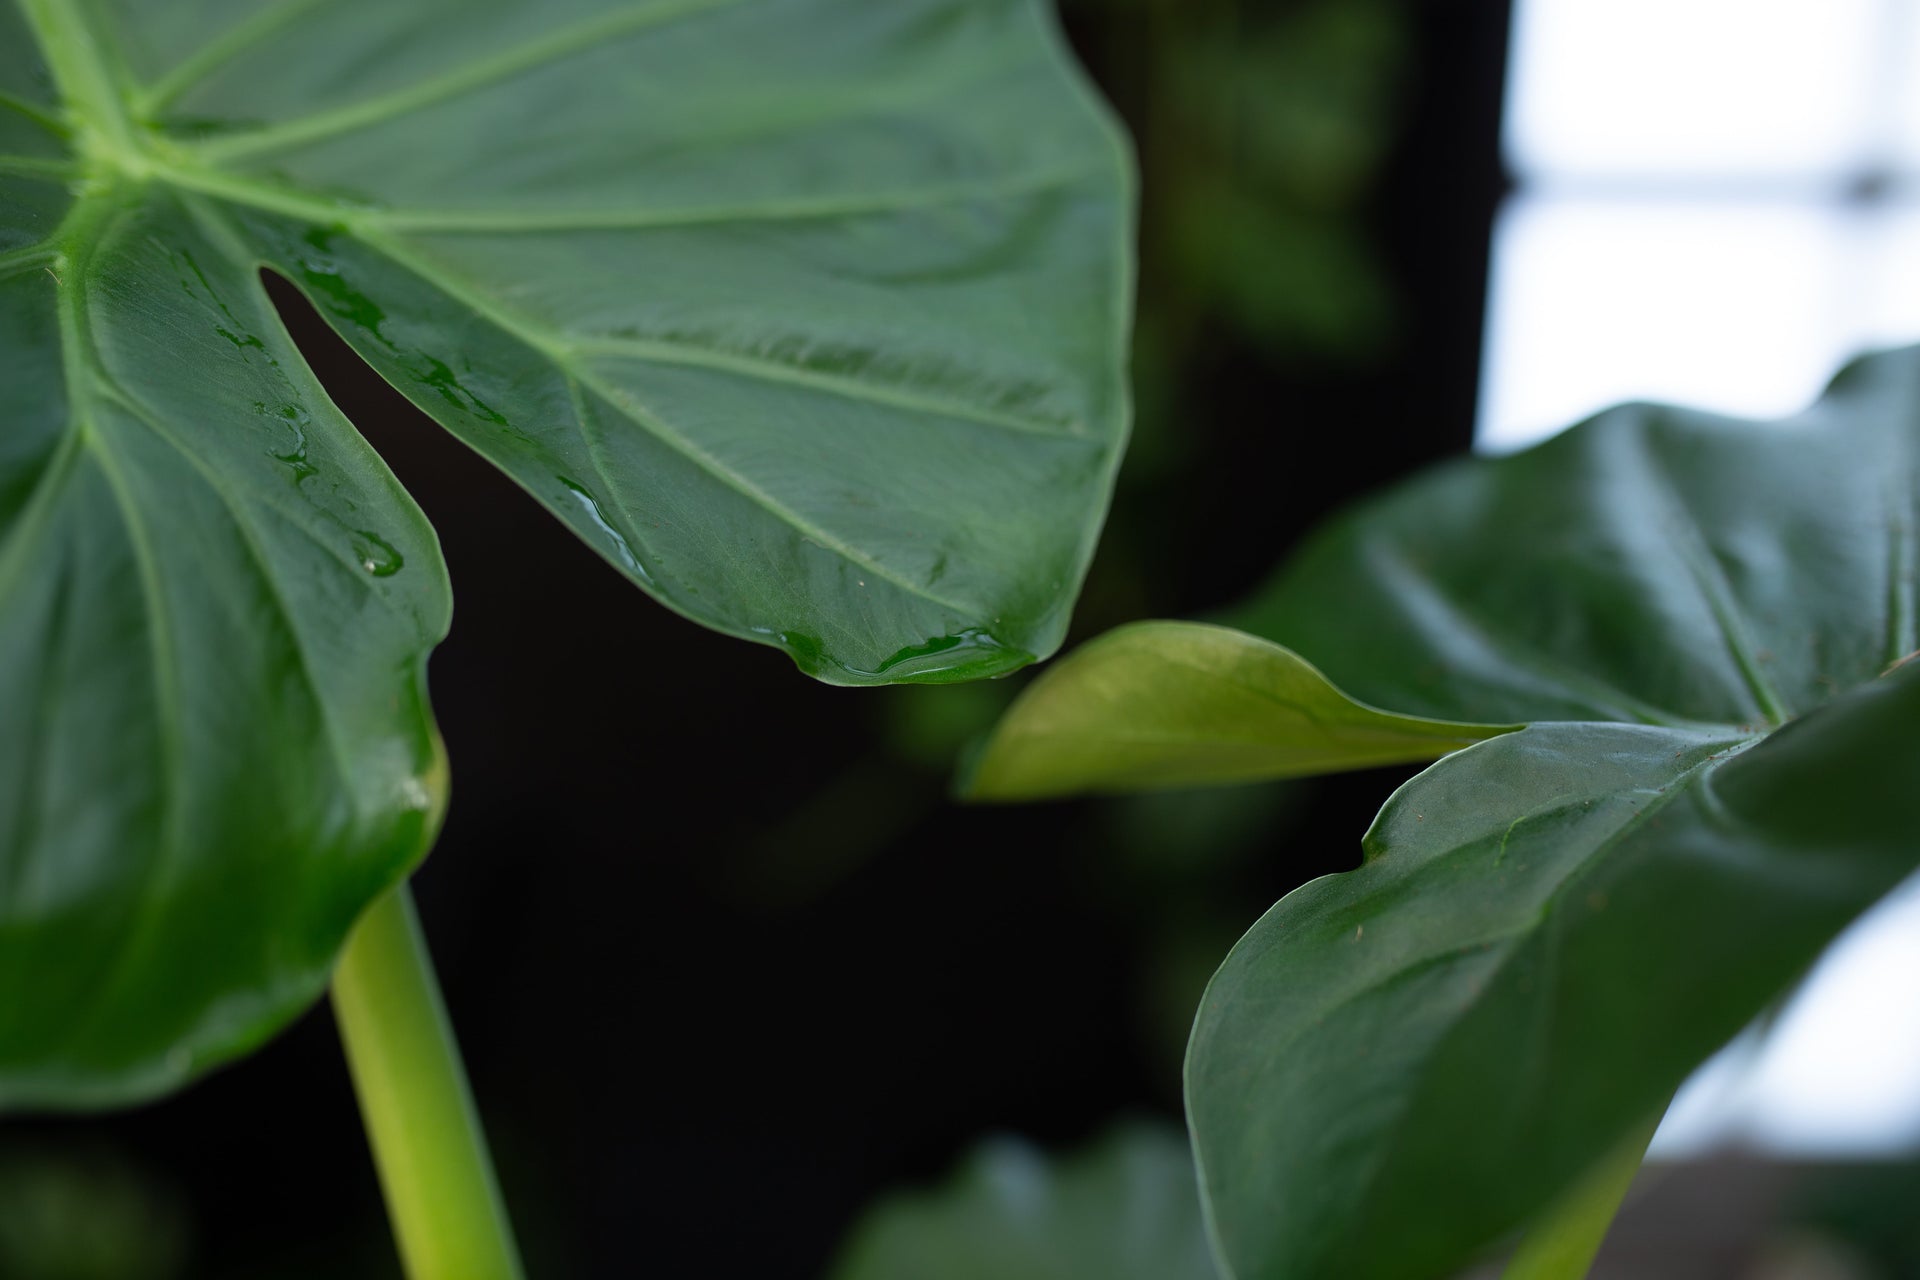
1735	306
1891	311
1902	69
1839	1073
1700	89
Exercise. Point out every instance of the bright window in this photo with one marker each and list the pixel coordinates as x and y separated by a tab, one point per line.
1717	201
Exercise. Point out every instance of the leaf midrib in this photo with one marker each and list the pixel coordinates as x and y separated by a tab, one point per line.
87	229
1424	727
1903	624
1691	546
90	227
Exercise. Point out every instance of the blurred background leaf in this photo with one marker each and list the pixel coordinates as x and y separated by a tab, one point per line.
85	1212
1126	1208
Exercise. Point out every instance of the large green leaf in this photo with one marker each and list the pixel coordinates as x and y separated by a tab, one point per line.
1399	1065
1174	704
1655	564
807	314
1124	1209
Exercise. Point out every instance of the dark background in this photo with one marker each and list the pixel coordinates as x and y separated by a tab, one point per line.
725	962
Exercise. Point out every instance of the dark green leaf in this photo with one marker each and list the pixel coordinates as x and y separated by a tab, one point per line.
1125	1209
809	316
1172	704
1400	1064
1655	565
1563	1241
217	610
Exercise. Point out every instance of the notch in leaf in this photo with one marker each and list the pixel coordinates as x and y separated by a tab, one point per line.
810	317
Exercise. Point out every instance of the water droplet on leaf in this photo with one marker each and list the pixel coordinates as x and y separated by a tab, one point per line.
620	547
376	555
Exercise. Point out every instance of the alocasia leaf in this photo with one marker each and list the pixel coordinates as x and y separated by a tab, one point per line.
1706	622
1123	1209
1399	1066
1172	704
807	314
1654	565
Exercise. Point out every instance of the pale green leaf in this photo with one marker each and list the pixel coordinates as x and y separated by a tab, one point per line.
1173	704
1123	1209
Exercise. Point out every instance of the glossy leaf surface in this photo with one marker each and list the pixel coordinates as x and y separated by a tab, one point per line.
1123	1209
1170	704
807	314
1654	564
1401	1065
1563	1240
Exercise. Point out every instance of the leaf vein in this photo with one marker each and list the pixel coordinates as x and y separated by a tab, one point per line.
19	261
1694	550
1399	568
530	56
851	205
39	115
591	442
38	167
36	514
778	372
246	34
1902	640
249	540
78	355
553	348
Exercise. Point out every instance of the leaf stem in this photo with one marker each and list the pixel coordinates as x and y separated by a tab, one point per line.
441	1195
1562	1242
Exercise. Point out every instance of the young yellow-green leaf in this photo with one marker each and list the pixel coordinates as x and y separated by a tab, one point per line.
1123	1209
1176	704
809	315
1563	1241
